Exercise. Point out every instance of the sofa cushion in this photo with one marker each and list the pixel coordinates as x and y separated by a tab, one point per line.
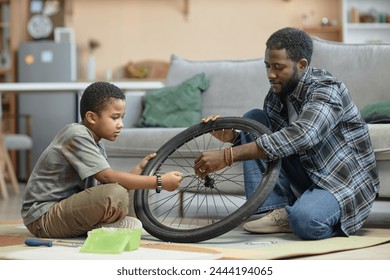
175	106
133	110
358	66
378	112
236	86
139	142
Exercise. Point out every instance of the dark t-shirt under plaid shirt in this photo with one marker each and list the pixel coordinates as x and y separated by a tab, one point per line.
331	139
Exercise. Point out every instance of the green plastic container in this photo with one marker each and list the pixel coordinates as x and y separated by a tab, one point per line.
111	240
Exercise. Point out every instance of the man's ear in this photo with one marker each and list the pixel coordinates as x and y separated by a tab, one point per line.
302	64
90	117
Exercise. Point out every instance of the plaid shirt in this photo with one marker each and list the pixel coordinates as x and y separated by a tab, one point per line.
331	139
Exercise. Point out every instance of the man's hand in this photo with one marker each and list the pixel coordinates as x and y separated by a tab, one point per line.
210	118
171	180
137	170
209	162
228	135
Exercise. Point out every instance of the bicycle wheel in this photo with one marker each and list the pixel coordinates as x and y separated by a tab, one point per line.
202	209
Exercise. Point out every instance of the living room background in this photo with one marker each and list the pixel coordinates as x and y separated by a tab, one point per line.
134	30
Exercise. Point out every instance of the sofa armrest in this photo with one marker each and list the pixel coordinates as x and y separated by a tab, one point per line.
380	138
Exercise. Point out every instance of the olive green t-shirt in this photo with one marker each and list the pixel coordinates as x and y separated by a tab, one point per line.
66	167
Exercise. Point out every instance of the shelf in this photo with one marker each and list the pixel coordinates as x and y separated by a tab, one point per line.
11	20
75	86
4	71
356	32
332	33
324	29
365	26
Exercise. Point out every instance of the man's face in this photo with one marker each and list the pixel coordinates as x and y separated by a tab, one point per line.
283	73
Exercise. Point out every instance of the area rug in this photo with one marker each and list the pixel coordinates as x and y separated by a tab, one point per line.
233	246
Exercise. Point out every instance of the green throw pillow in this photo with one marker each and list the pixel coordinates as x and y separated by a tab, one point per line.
175	106
377	112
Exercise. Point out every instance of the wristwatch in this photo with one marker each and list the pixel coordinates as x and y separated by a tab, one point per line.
159	183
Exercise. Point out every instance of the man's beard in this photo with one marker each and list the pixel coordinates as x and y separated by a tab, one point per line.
291	84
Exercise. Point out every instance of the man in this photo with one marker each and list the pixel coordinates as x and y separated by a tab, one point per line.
329	179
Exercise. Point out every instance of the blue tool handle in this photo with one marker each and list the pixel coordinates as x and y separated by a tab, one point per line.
37	242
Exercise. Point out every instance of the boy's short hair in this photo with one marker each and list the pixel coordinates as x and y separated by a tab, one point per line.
297	43
97	97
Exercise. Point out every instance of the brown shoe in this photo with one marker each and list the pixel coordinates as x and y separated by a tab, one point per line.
274	222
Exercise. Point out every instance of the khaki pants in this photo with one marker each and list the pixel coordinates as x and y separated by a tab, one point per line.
82	212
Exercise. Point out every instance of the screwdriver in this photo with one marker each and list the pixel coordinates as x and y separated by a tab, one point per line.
49	243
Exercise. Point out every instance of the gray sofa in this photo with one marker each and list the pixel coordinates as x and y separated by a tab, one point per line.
238	86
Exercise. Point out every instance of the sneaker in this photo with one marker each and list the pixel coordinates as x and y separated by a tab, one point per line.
126	222
274	222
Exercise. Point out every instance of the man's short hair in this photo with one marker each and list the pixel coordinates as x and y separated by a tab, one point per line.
98	96
297	43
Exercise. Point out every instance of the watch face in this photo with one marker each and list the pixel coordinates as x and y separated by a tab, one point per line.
39	26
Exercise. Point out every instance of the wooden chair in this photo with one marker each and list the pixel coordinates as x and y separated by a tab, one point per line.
7	172
13	142
21	142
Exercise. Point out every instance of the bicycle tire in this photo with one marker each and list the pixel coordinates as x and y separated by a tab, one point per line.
157	218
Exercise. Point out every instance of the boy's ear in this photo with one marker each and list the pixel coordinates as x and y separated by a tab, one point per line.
90	117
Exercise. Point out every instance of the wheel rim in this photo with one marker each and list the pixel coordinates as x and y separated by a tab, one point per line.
200	209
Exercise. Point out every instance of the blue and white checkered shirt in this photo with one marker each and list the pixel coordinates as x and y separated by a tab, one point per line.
331	139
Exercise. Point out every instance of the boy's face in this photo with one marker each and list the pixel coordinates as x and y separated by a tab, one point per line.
109	122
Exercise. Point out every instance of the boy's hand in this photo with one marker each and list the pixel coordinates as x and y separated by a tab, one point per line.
137	170
171	180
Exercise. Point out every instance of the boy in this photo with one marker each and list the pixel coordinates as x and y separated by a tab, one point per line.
63	198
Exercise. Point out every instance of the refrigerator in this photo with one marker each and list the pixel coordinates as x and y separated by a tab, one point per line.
40	62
